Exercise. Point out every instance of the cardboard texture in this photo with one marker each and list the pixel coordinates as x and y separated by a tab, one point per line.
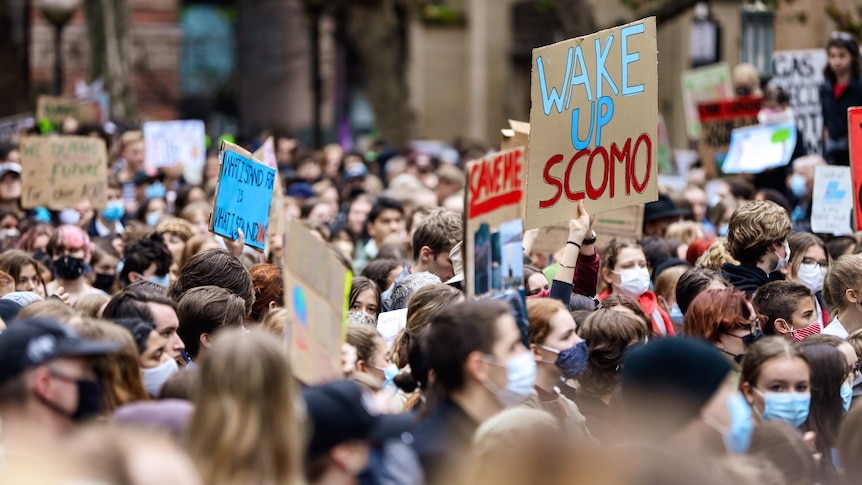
832	201
315	284
172	142
494	207
61	171
717	122
56	109
266	153
760	147
243	196
517	135
800	74
624	222
593	124
854	133
701	85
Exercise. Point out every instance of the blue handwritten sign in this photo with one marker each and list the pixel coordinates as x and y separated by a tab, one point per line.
243	197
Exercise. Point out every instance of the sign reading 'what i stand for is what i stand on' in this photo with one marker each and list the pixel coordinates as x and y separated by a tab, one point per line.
243	197
593	124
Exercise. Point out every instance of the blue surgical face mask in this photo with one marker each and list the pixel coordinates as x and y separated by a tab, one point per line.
790	407
572	361
675	314
722	230
114	210
155	190
153	218
846	395
389	373
163	280
521	377
798	186
737	438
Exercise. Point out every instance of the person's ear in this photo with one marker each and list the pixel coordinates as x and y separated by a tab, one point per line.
40	381
662	302
537	354
476	367
607	277
425	254
782	326
206	340
135	276
361	366
748	393
851	296
273	305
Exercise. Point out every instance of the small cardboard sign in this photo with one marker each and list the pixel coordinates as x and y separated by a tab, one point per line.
701	85
315	290
176	142
717	122
517	135
760	147
832	200
390	324
243	196
854	132
593	124
266	153
61	171
494	229
56	109
800	74
625	222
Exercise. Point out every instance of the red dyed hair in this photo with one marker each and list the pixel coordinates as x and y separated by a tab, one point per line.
69	237
696	250
268	281
714	312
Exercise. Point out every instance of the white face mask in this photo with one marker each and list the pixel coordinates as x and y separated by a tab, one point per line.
156	377
811	275
633	282
782	262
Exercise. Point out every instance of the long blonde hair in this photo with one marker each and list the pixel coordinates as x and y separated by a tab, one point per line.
424	304
245	427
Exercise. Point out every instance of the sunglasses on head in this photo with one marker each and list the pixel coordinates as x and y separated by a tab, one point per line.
842	36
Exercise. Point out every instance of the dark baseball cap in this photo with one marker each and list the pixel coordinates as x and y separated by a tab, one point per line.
28	343
340	412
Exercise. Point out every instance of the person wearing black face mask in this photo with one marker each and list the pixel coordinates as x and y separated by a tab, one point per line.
69	249
726	319
560	354
47	382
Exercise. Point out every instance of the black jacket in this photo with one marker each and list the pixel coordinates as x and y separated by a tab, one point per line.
747	278
443	442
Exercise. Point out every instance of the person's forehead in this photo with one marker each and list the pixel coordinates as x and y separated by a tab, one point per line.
389	214
163	315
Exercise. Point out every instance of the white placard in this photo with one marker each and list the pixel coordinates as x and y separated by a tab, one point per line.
172	142
390	323
832	200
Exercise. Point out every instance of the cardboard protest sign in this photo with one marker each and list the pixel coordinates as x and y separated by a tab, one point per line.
800	74
832	200
705	84
593	124
717	122
517	135
266	153
627	222
56	109
390	324
761	147
243	196
316	286
61	171
854	133
172	142
494	229
12	126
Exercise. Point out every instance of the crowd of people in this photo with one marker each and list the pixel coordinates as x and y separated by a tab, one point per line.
138	348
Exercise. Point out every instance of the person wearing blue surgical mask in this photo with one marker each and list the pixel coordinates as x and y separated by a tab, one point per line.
151	211
801	187
108	220
680	393
147	258
560	354
776	381
372	356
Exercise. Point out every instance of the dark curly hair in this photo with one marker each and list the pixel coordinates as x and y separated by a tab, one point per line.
141	253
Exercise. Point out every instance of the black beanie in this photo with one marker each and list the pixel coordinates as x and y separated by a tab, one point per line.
684	372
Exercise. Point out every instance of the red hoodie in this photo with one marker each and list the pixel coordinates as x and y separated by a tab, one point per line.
659	317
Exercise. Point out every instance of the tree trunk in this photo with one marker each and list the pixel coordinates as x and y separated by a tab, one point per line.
376	30
110	53
14	48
